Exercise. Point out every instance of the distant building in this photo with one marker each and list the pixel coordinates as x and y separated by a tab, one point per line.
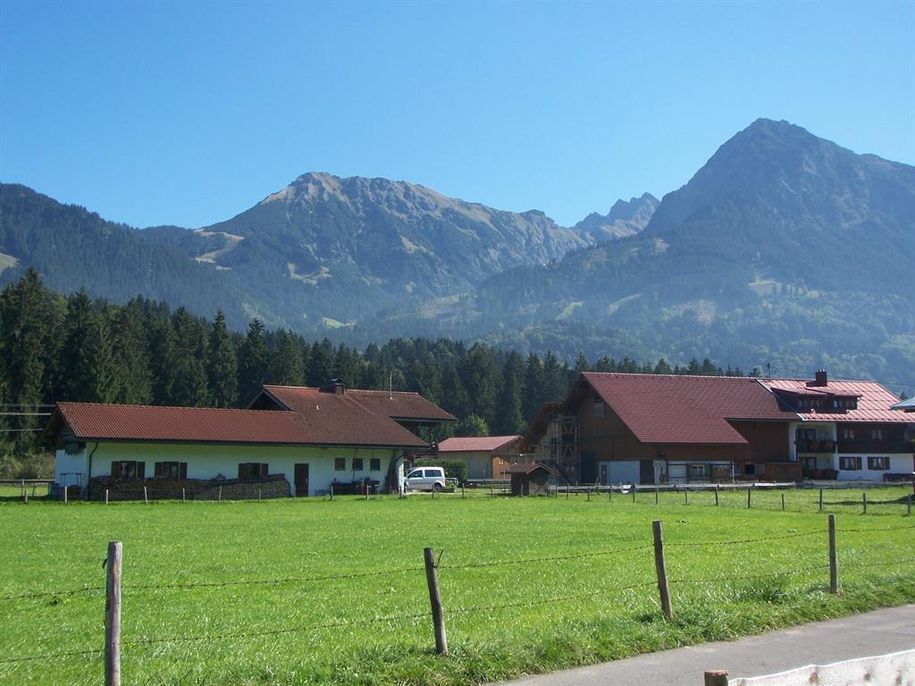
309	438
486	457
648	428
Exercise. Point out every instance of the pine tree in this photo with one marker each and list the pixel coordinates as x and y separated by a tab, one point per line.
222	364
321	364
75	379
508	413
29	319
191	387
534	393
286	364
163	360
252	361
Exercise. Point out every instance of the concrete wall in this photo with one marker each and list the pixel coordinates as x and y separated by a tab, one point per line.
210	461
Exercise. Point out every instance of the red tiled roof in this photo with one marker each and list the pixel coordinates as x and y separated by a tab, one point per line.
328	423
467	444
874	401
660	408
402	405
91	421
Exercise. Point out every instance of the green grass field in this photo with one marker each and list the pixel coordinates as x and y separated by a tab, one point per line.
319	591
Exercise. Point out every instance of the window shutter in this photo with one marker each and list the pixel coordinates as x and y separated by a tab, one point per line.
158	470
182	470
141	470
264	469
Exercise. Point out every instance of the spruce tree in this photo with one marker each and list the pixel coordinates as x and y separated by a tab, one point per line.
130	361
252	362
508	413
191	385
222	364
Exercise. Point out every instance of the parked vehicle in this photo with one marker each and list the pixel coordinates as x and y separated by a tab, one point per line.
426	479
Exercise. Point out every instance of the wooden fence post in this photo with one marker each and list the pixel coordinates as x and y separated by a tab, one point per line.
219	496
821	500
589	494
462	490
567	490
686	496
716	677
716	495
749	491
633	493
66	488
106	496
435	598
657	494
113	616
864	502
909	506
661	569
783	502
833	563
145	496
183	495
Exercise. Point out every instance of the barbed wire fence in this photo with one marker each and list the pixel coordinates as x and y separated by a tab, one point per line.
113	590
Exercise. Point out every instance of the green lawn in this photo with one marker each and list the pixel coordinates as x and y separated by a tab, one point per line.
528	584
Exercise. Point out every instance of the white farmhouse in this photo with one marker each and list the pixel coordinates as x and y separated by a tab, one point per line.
290	441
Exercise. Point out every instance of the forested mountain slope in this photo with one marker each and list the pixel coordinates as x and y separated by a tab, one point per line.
784	247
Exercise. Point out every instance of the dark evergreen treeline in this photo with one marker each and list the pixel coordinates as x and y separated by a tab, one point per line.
54	348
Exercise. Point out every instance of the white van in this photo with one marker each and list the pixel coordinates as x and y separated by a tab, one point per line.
425	479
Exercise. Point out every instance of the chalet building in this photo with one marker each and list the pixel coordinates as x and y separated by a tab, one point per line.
647	428
306	438
486	457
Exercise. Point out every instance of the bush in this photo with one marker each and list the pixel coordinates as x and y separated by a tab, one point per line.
454	469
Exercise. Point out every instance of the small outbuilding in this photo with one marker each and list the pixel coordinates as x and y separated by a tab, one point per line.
530	478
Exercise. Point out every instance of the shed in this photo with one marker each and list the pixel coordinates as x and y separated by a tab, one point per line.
530	478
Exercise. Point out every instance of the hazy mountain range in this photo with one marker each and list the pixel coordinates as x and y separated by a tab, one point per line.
783	247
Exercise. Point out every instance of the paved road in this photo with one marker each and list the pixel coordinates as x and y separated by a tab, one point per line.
875	633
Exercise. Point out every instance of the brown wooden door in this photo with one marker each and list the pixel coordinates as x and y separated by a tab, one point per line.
301	479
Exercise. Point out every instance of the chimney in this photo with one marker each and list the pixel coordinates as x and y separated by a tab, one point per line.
819	378
334	386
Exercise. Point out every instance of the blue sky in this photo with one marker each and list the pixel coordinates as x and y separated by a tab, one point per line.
188	113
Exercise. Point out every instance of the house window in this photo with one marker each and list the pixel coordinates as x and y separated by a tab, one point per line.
878	463
877	434
375	464
848	434
248	471
171	470
340	464
850	464
696	471
128	469
597	408
357	464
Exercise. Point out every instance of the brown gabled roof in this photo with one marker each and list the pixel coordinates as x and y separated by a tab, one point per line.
467	444
99	421
874	401
397	405
328	426
529	468
661	408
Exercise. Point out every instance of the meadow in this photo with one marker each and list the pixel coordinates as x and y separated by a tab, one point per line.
316	591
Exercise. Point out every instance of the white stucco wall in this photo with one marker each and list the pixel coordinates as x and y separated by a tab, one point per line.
899	464
208	461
